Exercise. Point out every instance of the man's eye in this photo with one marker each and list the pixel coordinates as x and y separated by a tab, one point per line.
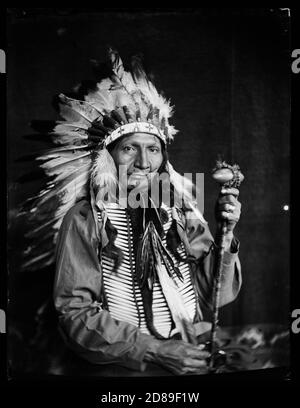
127	148
154	149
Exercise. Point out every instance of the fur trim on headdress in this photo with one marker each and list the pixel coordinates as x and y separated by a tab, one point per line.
104	177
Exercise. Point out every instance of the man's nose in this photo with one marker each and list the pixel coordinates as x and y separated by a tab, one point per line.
142	161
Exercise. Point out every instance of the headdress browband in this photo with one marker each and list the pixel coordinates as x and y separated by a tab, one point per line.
134	127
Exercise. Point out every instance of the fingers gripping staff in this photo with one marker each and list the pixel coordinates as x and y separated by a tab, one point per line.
230	178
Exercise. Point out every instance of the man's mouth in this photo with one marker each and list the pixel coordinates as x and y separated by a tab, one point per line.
139	173
138	179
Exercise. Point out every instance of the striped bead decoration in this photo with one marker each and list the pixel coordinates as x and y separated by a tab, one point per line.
123	297
122	292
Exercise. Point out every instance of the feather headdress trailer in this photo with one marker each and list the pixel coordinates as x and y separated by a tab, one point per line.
122	103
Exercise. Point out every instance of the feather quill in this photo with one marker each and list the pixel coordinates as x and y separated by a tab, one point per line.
122	77
55	152
49	255
46	225
80	111
67	185
65	163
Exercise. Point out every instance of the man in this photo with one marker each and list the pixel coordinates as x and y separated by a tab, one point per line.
132	281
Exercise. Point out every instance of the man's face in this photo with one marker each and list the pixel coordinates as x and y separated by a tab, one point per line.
141	153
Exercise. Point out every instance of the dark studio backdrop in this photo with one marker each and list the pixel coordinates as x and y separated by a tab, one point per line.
227	73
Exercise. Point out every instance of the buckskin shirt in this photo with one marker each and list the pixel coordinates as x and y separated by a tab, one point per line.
101	314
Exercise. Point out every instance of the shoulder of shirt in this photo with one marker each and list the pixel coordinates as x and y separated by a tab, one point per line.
79	220
80	210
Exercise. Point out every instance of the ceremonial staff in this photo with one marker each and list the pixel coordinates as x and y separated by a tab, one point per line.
230	177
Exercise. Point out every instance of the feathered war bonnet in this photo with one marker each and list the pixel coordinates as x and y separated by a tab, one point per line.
128	103
80	166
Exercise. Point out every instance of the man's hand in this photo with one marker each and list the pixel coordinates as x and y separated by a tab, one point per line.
178	357
228	208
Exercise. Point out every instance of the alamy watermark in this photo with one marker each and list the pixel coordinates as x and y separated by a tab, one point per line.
2	62
150	189
296	323
296	63
2	322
